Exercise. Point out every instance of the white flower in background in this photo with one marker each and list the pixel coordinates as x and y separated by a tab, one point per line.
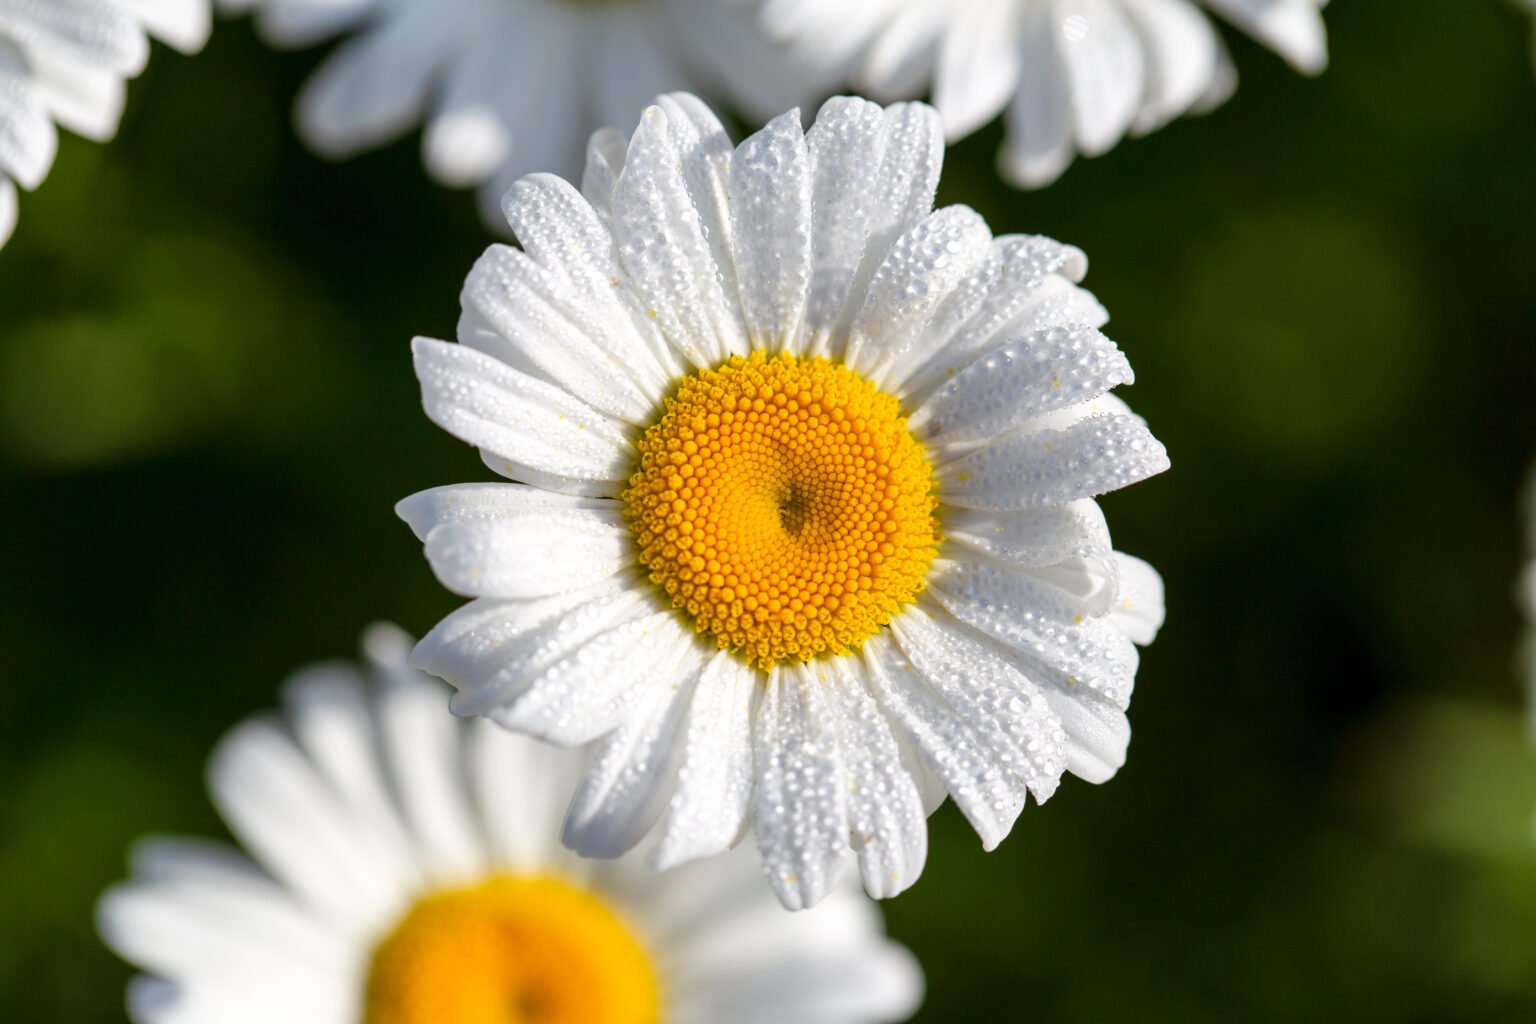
805	525
509	87
408	871
1074	75
65	62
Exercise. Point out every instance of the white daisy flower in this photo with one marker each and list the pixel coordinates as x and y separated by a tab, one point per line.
65	62
408	871
508	87
805	522
1074	75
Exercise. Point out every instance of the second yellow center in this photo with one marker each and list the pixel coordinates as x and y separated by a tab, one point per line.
783	504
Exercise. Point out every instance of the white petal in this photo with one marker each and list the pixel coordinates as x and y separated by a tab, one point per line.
1106	71
707	814
606	152
1138	608
196	911
538	322
771	224
1007	710
1031	538
561	232
86	100
899	62
1182	53
333	723
422	743
916	275
80	31
28	140
283	813
1051	467
900	196
539	433
298	24
521	787
486	648
1016	611
634	771
978	66
1038	146
887	823
184	24
597	684
244	1000
374	86
478	503
1018	380
1292	28
800	800
532	553
987	793
9	208
1098	733
671	219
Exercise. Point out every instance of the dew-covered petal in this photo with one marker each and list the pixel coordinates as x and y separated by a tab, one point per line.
597	684
28	140
184	24
1018	380
887	823
707	813
1041	467
915	276
800	802
1007	709
1030	538
1138	608
538	432
671	220
475	503
771	226
530	553
634	772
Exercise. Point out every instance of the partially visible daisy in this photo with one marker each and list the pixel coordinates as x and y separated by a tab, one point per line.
805	524
508	87
1074	75
65	62
408	871
1530	5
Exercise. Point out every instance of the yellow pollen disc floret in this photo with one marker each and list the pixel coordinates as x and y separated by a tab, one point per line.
511	951
783	504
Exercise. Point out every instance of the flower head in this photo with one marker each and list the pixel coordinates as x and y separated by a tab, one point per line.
65	62
410	873
507	87
804	523
1074	75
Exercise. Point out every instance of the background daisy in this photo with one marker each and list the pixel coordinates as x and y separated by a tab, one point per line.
508	87
806	524
1074	75
409	872
65	62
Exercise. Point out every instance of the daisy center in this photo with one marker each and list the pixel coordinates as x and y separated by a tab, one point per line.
784	506
511	951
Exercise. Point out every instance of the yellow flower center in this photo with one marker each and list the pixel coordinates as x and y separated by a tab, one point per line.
511	951
783	505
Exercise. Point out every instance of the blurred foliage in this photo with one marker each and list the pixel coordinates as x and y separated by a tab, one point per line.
1327	287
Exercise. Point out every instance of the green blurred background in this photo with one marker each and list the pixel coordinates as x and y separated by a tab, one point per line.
1327	288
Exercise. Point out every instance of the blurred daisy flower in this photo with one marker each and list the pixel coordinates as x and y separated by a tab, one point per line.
65	62
805	524
1074	75
408	871
508	87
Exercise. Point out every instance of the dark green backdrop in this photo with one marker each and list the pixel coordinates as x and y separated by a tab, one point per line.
1327	288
